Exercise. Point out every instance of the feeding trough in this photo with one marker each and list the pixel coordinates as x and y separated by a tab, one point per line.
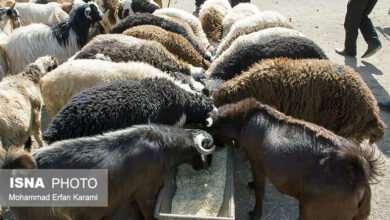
164	202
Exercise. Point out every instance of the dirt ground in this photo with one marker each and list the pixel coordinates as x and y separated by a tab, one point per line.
322	21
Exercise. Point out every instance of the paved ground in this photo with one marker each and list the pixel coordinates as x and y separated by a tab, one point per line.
322	21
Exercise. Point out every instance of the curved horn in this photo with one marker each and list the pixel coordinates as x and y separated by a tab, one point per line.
12	7
209	122
87	12
198	145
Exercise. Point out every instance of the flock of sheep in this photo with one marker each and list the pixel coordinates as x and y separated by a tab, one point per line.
108	65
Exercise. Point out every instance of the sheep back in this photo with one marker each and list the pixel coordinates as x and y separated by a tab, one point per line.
174	43
150	19
257	22
328	94
59	85
294	47
120	104
190	19
238	12
260	37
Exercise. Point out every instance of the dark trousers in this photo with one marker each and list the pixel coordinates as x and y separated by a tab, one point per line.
357	18
198	3
236	2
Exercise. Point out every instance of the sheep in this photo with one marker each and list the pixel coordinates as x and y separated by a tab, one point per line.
190	19
149	19
211	15
137	159
238	12
120	104
75	75
174	43
259	37
266	19
49	13
122	48
128	7
21	101
242	59
319	91
9	20
158	2
61	40
110	10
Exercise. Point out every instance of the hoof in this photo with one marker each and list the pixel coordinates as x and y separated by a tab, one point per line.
251	185
254	216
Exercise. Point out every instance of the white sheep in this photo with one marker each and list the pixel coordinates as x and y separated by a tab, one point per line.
61	40
20	104
9	20
238	12
190	19
211	15
252	24
258	37
71	77
49	13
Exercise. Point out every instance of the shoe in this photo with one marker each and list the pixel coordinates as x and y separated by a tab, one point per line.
344	53
371	50
384	106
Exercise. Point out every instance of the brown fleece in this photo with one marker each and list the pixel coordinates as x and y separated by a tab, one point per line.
328	94
211	20
173	42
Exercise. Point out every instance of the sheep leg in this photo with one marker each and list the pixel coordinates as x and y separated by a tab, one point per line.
259	179
147	207
135	212
28	144
36	128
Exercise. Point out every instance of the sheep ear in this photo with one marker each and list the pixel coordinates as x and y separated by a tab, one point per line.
88	12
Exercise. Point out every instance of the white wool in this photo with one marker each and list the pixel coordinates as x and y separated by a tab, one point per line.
238	12
190	19
258	37
266	17
222	6
28	43
39	13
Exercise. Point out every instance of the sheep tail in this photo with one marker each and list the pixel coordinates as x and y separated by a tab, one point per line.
351	162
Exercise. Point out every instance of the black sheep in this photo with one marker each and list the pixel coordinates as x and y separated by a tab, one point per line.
294	47
120	104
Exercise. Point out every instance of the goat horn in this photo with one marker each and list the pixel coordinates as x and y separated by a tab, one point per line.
209	122
200	148
12	7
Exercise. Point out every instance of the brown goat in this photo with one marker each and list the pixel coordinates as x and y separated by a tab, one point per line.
173	42
328	174
319	91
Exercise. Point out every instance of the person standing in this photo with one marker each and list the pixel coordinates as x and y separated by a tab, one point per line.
355	19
